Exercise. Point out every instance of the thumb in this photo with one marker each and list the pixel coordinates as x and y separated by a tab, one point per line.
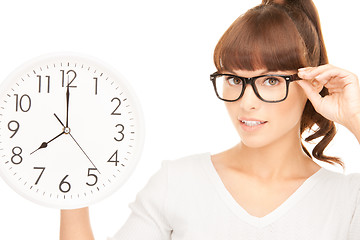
311	92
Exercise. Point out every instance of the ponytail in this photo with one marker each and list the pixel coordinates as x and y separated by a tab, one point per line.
308	8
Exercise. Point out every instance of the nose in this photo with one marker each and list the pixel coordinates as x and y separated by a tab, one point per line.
249	99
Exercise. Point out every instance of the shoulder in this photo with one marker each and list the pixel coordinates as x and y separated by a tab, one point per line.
186	170
187	162
354	185
176	168
347	184
353	178
350	179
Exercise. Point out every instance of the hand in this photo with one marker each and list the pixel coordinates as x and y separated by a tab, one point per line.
84	153
342	105
67	131
45	144
67	104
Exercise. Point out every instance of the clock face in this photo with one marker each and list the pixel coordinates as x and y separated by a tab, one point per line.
71	130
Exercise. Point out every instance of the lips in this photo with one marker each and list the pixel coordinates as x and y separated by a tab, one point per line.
250	119
252	126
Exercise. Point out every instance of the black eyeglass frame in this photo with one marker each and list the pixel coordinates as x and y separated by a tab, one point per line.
251	81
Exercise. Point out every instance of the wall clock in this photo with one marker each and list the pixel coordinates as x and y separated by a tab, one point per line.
71	130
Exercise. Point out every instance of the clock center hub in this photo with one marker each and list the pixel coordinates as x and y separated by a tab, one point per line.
66	130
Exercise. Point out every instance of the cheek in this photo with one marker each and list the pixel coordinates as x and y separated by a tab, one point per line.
293	106
233	110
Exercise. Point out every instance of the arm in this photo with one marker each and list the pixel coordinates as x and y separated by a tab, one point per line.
148	219
354	231
75	224
354	127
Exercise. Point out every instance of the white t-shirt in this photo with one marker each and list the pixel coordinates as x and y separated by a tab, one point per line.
186	200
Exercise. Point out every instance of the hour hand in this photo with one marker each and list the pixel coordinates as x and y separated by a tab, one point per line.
45	144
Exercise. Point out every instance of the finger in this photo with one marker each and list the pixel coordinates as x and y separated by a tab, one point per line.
314	72
334	76
328	76
311	93
311	72
316	85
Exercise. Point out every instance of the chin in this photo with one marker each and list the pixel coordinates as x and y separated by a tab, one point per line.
255	142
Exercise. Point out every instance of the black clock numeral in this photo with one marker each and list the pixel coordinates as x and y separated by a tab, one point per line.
16	158
121	132
92	175
20	103
68	73
42	171
64	186
115	155
48	83
114	112
15	130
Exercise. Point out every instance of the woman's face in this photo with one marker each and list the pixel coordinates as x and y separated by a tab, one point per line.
282	118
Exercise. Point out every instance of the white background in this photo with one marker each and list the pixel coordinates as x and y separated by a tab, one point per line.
164	48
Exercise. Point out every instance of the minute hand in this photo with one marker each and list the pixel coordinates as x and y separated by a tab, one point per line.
67	105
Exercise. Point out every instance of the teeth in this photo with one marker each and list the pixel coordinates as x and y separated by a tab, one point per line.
251	123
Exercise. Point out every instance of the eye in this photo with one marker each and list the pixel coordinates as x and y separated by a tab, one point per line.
233	81
271	81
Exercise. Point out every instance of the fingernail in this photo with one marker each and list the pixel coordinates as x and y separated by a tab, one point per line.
315	83
302	74
301	69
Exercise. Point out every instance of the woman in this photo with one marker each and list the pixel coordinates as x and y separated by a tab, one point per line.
274	76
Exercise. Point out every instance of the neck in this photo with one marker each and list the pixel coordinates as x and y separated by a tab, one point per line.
280	160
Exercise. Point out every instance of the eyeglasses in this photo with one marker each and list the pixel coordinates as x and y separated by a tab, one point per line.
269	88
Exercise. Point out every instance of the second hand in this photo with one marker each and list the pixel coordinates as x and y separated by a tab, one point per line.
67	131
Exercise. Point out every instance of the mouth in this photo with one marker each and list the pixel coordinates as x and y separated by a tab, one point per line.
252	123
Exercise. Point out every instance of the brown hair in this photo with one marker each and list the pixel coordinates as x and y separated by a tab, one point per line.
281	35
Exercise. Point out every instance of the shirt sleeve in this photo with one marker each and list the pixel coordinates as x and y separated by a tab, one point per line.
148	218
354	232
